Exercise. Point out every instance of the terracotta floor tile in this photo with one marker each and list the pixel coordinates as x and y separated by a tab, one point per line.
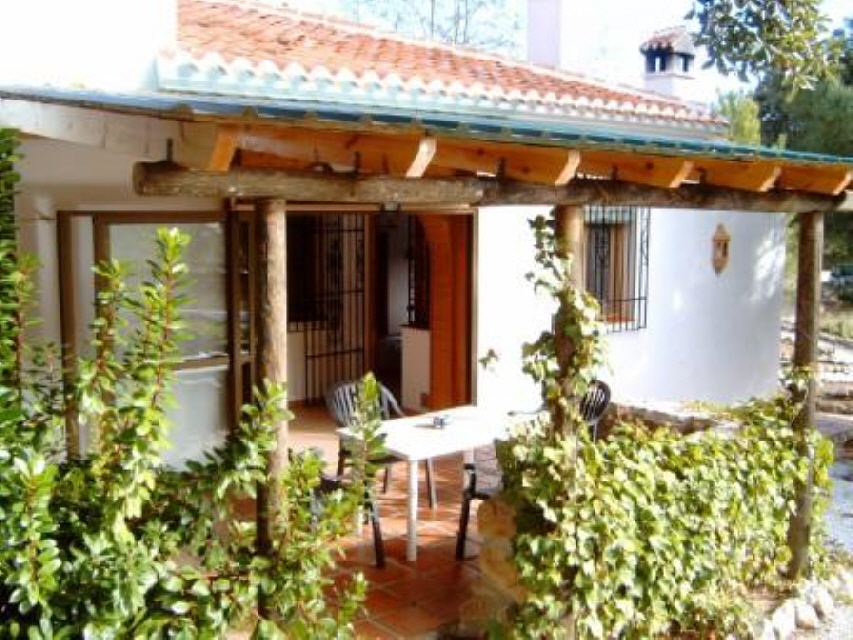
369	630
446	604
405	599
411	621
381	600
391	572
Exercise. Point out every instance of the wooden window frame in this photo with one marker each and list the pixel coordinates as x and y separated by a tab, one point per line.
68	295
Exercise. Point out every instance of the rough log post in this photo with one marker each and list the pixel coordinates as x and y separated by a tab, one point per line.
569	234
272	352
810	250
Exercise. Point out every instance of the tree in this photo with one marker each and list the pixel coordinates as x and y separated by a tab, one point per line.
755	38
818	121
490	25
741	110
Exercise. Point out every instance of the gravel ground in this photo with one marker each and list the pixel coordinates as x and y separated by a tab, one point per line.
839	628
839	521
839	517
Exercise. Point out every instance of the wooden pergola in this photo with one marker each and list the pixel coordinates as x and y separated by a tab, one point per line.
293	152
364	163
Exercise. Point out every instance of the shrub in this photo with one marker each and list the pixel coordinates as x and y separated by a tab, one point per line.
649	532
110	544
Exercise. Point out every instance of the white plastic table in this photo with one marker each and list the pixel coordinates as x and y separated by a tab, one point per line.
414	439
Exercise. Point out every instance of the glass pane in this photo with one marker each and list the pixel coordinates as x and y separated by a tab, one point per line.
206	313
199	418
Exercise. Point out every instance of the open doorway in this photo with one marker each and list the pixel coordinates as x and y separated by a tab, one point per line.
422	307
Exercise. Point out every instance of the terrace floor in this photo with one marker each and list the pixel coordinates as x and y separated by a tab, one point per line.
404	599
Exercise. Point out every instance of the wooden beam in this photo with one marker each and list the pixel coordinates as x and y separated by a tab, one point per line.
656	171
168	179
423	158
807	328
272	221
135	135
750	176
549	165
570	234
569	225
828	180
68	330
224	147
207	145
368	152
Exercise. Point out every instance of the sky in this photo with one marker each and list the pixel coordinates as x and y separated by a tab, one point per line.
605	36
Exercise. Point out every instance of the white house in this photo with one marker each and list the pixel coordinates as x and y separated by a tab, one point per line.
418	287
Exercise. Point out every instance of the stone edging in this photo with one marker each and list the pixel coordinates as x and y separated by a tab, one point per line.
812	606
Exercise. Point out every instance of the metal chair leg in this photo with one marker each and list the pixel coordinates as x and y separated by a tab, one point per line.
341	459
430	475
378	546
462	534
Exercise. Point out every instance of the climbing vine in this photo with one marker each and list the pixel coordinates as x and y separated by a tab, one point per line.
647	532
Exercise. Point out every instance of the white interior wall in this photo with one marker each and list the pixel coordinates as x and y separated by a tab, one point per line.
398	277
415	367
709	337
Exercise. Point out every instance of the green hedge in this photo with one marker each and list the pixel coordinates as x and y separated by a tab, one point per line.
647	533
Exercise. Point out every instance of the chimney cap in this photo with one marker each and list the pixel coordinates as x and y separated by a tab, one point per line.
671	40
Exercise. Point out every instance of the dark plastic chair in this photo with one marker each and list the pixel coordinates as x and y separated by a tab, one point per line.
484	478
594	403
342	402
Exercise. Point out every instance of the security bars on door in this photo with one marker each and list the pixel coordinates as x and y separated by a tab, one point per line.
326	283
617	264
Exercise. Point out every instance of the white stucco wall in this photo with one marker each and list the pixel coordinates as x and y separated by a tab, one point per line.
708	337
507	312
85	44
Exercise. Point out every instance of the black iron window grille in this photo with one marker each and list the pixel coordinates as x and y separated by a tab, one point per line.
326	286
616	264
418	255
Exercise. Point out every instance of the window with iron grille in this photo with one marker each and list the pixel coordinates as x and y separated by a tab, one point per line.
617	264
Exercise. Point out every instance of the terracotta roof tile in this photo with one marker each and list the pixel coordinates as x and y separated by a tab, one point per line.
237	29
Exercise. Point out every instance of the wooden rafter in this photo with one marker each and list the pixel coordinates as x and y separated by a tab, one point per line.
655	171
548	165
225	144
830	180
401	155
751	176
423	158
414	154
